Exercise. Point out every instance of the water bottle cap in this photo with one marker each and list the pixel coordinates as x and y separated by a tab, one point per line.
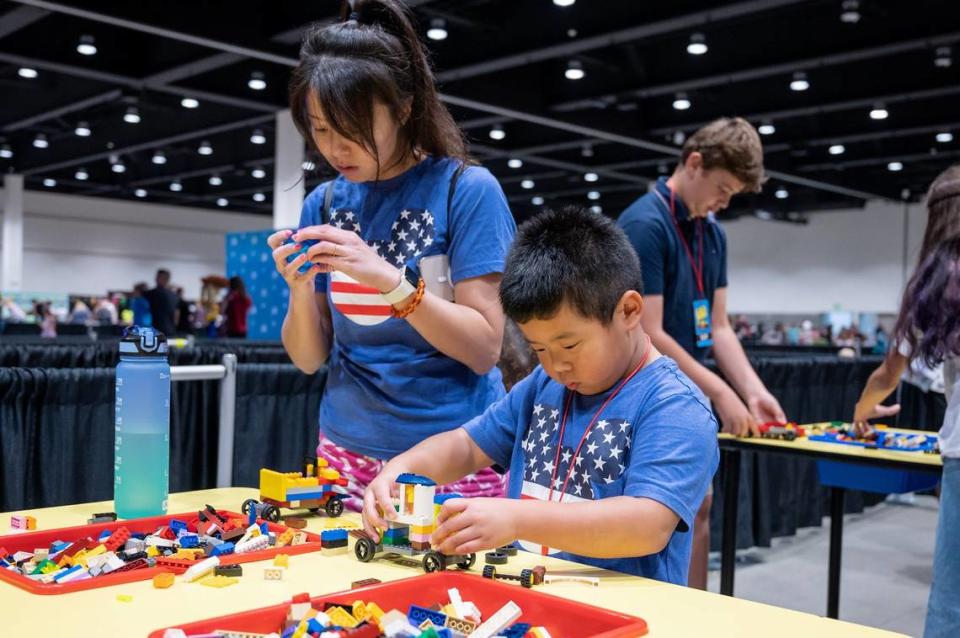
143	341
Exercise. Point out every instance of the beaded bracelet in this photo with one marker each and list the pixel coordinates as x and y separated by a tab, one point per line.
417	298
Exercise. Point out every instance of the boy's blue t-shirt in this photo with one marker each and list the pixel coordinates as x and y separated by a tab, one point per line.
387	387
656	439
664	263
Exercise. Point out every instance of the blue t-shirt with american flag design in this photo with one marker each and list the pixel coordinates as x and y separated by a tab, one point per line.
656	439
387	387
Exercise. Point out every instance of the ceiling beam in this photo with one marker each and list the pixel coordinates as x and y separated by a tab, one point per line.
881	135
632	34
880	161
16	19
109	96
572	166
784	69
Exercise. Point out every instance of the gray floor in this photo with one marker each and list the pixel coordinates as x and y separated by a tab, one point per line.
887	559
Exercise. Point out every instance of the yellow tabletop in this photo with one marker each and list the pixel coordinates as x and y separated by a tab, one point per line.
668	609
803	444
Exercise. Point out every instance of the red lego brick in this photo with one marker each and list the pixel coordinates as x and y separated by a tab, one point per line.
364	631
118	539
140	563
300	598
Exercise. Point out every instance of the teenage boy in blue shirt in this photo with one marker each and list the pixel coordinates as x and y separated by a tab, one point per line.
683	252
610	447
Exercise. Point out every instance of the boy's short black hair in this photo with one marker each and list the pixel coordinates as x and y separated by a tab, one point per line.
568	255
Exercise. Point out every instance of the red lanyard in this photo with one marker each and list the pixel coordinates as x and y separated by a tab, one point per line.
563	426
697	269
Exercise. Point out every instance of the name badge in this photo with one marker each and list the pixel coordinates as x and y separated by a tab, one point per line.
702	323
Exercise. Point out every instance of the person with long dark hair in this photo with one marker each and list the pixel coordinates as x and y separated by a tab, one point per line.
928	329
236	306
400	301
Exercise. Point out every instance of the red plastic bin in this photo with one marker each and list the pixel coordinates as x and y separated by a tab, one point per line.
33	540
562	617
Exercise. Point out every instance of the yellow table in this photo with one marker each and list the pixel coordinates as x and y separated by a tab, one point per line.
668	609
731	447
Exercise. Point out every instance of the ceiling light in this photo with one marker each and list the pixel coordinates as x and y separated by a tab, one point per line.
563	3
767	128
118	167
943	58
836	149
698	44
258	173
82	129
176	186
763	214
574	70
681	102
189	103
879	112
49	182
850	12
597	210
81	174
590	177
27	73
593	195
140	192
945	137
259	197
586	150
537	201
438	29
895	166
86	45
132	115
308	166
6	152
159	157
527	183
497	132
781	193
799	82
257	81
222	201
215	180
514	162
205	148
40	141
679	137
257	137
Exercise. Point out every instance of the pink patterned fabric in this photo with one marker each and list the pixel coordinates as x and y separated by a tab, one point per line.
359	470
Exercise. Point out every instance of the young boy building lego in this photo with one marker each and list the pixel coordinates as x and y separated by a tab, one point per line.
609	447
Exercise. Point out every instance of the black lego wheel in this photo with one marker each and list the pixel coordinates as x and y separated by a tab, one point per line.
489	571
271	513
364	549
495	558
247	505
526	578
434	562
468	562
334	507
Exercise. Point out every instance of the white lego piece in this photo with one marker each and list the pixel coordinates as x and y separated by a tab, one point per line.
252	545
174	633
504	617
157	541
561	578
400	629
201	569
252	532
21	556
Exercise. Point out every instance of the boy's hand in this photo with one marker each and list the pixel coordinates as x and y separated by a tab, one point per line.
735	418
467	525
765	408
378	502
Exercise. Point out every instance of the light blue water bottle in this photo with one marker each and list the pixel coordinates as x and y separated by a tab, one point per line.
142	425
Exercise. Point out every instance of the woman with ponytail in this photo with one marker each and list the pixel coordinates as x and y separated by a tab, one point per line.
398	294
928	328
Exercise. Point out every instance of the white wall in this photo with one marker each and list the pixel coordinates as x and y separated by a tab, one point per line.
87	245
854	258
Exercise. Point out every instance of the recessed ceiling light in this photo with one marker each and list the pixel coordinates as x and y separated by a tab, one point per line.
438	29
781	193
945	137
536	200
586	150
118	167
836	149
257	137
140	192
681	102
159	157
215	180
205	148
308	166
527	184
767	128
497	132
590	177
850	12
189	103
6	152
879	112
81	174
596	209
258	173
574	70
40	141
698	44
799	82
515	162
943	57
87	45
27	72
49	182
132	115
563	3
259	197
222	201
257	81
895	166
593	195
82	129
176	186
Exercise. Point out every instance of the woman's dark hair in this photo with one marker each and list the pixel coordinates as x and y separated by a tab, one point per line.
929	320
237	285
374	56
569	255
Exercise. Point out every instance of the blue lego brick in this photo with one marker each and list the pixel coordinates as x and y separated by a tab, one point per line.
61	575
305	493
105	534
176	525
440	499
58	546
222	549
446	632
306	244
252	516
418	614
333	535
414	479
264	528
314	626
189	540
288	632
516	630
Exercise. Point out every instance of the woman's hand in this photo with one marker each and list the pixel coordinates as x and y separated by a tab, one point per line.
345	251
290	272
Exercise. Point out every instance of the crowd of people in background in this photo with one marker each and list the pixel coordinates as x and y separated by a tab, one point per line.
220	312
805	333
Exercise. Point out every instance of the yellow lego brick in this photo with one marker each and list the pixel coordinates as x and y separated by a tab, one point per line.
49	568
426	530
219	581
272	485
273	573
152	551
124	598
339	616
359	610
189	554
450	610
281	560
96	551
374	612
329	474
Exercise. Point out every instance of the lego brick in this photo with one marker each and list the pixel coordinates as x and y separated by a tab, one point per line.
124	598
285	538
295	522
232	535
417	614
333	544
228	570
335	551
364	582
189	540
218	581
299	538
493	625
176	526
252	545
461	625
516	630
419	538
273	573
201	569
333	535
163	581
420	546
223	549
495	558
339	616
281	560
564	578
23	521
140	563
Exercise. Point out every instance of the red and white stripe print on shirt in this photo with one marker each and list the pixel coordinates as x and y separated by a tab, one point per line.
601	461
411	234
